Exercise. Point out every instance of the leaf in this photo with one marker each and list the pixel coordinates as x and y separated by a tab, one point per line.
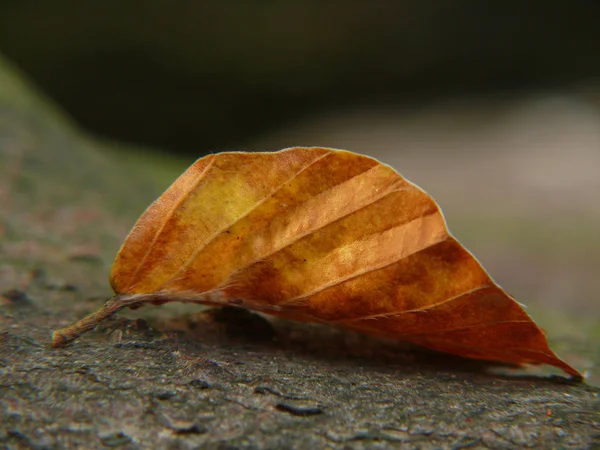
319	235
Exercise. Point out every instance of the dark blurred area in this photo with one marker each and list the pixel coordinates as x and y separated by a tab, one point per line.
192	76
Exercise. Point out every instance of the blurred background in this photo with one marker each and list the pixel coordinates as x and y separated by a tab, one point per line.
194	76
492	107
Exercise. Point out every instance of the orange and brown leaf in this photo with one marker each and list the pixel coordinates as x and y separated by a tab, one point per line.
322	235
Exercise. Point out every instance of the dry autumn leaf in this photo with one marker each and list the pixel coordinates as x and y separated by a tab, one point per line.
321	235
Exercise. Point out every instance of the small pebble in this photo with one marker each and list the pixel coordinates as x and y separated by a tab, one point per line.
16	297
181	426
200	384
115	439
297	410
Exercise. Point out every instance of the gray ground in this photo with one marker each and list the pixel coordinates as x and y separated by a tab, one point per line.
181	378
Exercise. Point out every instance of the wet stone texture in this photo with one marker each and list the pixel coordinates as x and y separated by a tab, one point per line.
128	385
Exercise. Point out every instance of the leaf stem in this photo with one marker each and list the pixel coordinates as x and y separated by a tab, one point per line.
65	335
